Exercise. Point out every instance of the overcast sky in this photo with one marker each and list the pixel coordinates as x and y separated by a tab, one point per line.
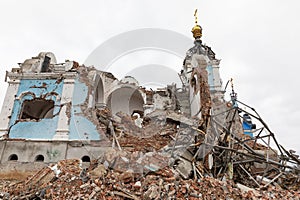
257	40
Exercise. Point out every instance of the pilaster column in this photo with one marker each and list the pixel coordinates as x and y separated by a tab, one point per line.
7	106
62	131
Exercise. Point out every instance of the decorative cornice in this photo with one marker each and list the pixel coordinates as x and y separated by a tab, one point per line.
20	76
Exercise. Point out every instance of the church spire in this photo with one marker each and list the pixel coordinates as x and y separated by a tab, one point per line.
197	29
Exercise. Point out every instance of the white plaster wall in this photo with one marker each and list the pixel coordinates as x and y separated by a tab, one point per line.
52	151
28	150
7	106
160	101
217	77
195	102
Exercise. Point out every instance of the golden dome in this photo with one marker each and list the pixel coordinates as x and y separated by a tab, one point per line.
196	30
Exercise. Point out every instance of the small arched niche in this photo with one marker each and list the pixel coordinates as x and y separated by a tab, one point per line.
13	157
39	158
99	92
86	159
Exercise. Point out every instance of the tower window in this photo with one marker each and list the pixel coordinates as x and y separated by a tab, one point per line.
37	109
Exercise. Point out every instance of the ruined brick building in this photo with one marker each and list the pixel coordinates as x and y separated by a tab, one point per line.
50	109
111	137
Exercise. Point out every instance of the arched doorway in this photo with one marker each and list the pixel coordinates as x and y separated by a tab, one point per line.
125	99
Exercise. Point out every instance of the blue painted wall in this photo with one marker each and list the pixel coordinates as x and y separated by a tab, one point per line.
247	129
80	127
45	128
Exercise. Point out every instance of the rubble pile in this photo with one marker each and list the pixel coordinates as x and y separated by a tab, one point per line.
162	160
68	180
134	143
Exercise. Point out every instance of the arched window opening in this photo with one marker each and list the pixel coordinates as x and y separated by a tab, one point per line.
39	158
126	100
13	157
86	159
99	93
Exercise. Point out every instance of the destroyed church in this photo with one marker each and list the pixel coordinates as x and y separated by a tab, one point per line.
56	111
50	107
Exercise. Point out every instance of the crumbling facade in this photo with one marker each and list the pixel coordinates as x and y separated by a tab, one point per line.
57	103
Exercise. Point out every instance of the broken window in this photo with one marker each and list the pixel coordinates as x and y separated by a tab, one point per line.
37	109
46	64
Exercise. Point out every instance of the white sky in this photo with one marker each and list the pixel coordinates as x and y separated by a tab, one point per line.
257	40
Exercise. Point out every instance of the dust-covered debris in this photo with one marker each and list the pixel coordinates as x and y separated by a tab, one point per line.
159	161
101	182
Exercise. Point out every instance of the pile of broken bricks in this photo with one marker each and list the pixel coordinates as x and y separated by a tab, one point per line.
159	161
67	180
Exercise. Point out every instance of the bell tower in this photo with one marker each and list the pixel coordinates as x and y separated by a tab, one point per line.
190	83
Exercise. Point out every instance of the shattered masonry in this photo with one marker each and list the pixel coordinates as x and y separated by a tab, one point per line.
86	134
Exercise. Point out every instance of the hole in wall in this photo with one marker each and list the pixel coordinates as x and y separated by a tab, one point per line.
36	109
46	64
